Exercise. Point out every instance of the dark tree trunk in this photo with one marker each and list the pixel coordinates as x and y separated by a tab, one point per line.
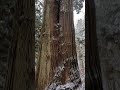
93	79
21	73
5	36
108	33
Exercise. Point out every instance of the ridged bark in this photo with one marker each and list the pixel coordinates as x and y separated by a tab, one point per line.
46	62
57	44
5	36
93	79
108	34
21	73
67	42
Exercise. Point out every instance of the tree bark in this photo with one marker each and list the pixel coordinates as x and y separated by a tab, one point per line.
21	73
108	34
5	36
93	79
57	45
67	41
46	62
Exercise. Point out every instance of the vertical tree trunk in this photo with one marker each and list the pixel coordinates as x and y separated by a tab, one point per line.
108	32
57	45
93	79
48	55
5	36
67	41
21	57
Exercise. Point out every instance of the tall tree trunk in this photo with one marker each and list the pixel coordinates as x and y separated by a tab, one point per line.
108	33
57	48
67	41
21	73
93	79
46	62
5	29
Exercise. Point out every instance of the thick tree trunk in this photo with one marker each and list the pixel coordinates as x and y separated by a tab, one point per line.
93	79
67	41
5	36
108	32
21	73
47	58
57	45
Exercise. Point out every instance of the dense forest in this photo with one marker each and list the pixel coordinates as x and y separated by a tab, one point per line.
41	48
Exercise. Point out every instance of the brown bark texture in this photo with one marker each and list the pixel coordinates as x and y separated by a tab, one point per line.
57	49
21	72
